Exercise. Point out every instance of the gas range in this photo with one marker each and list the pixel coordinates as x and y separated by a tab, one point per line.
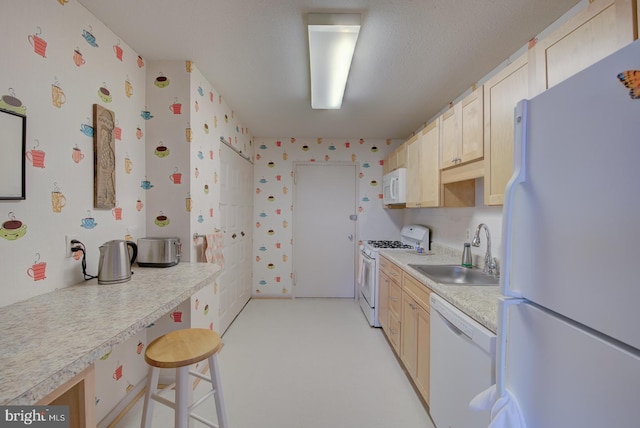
411	237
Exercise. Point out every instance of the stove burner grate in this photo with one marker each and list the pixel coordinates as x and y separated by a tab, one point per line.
388	244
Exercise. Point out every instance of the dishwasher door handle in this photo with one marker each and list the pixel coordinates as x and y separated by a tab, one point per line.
452	326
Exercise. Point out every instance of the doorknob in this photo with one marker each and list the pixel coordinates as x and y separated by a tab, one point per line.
350	237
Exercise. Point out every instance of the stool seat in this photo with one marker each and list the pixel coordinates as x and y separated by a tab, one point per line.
179	350
182	347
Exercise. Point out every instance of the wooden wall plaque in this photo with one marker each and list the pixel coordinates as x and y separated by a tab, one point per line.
104	156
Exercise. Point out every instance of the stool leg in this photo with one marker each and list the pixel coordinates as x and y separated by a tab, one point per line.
152	387
182	397
216	384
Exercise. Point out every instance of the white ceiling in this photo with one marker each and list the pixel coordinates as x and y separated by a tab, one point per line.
413	56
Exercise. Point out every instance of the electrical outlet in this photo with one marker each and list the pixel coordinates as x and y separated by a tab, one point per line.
68	239
468	234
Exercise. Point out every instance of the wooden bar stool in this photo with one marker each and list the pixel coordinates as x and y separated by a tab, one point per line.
179	349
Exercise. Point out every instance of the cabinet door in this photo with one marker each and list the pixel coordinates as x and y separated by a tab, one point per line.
413	172
423	348
383	301
429	170
395	299
600	29
409	334
387	163
401	156
450	137
472	135
501	94
394	332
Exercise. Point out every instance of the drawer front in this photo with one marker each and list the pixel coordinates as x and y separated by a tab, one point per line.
393	271
417	289
395	296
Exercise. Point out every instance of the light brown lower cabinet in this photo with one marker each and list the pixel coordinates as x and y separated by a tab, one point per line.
389	297
415	333
383	300
404	316
395	327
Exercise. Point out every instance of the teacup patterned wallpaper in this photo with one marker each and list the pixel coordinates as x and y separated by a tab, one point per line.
273	199
184	129
58	61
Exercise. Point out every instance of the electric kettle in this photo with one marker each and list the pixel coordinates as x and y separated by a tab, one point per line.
115	261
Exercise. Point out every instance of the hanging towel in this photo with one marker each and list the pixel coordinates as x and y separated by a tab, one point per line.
505	411
360	268
201	249
213	250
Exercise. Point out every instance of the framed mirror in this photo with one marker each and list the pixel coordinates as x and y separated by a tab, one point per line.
13	127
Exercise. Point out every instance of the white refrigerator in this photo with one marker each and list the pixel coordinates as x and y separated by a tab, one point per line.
569	320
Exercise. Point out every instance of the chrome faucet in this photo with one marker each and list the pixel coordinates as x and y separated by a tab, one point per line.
490	263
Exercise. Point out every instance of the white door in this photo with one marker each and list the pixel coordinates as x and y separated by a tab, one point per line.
324	230
236	212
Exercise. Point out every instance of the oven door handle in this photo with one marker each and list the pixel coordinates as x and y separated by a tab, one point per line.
365	262
366	257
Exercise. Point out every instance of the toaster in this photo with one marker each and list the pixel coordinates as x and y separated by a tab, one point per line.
158	252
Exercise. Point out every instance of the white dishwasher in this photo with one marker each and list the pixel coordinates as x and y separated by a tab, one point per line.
462	365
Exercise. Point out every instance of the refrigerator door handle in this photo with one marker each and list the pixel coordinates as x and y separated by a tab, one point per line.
504	407
501	344
519	176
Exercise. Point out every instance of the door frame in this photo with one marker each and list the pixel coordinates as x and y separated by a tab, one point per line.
356	237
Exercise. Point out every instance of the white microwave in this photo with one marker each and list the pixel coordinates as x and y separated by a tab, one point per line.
394	187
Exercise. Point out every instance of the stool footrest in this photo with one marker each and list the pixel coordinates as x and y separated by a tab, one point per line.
204	421
163	400
201	400
200	375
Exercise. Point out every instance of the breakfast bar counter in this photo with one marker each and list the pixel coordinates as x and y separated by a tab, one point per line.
50	339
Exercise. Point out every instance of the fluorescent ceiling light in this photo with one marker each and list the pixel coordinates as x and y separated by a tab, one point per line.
332	40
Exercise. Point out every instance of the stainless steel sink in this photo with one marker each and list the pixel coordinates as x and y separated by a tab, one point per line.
456	274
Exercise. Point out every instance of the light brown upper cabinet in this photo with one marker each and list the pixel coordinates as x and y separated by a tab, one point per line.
423	174
396	159
501	94
600	29
462	131
413	172
429	159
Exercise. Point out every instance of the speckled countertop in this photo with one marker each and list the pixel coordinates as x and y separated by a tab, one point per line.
480	302
48	339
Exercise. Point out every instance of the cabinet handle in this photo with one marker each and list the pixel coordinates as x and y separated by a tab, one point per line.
412	306
393	299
